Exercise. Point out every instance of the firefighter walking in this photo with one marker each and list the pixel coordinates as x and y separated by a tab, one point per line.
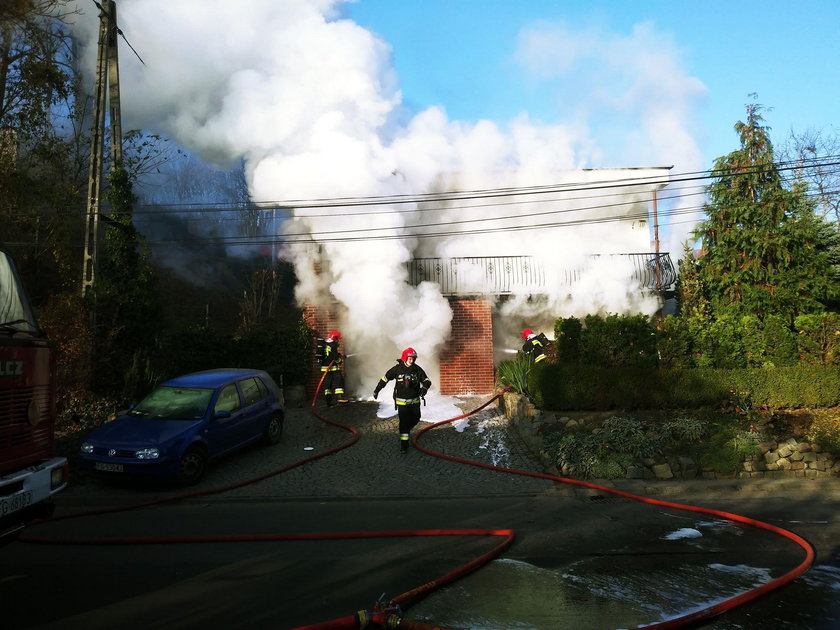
331	361
410	386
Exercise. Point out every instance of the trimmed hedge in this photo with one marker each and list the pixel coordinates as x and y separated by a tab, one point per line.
558	386
727	341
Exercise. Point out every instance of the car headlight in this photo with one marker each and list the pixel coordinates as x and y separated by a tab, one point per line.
147	453
87	447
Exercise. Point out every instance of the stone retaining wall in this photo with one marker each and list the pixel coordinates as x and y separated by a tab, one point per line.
790	457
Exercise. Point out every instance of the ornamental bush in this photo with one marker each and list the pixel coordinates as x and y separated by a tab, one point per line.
583	387
818	340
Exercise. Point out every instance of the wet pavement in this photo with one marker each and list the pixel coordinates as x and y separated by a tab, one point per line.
582	558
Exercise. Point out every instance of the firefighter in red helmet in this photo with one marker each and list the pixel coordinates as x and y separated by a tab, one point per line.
331	361
410	386
535	345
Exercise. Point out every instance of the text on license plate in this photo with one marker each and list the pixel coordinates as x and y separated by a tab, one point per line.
105	467
11	504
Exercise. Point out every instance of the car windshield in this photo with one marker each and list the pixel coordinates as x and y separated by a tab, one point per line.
176	403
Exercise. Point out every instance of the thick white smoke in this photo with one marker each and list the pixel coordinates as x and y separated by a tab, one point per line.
311	103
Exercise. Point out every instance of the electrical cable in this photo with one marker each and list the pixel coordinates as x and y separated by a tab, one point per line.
419	198
332	202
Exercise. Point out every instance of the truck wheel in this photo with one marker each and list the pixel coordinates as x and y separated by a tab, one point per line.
274	430
192	466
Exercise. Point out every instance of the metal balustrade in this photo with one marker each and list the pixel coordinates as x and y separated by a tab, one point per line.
504	275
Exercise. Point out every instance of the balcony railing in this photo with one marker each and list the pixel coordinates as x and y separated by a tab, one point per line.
503	275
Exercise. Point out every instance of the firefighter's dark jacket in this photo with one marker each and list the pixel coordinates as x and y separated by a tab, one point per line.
410	383
535	347
330	355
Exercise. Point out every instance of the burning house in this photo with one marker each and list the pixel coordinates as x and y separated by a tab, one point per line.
529	254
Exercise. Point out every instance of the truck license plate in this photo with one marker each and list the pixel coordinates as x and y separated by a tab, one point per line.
16	502
108	467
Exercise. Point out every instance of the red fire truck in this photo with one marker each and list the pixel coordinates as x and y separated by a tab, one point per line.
29	474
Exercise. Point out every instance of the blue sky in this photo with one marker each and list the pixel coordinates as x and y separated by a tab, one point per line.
332	99
463	55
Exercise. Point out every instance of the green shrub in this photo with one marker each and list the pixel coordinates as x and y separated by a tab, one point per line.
193	349
618	341
612	466
567	339
819	338
752	340
515	373
576	453
786	387
583	388
83	413
779	343
825	430
684	430
607	452
282	350
673	340
720	344
142	375
728	444
625	435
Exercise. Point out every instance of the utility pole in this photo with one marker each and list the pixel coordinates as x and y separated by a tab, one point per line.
107	87
658	262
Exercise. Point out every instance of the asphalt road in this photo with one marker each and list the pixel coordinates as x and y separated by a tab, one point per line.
581	558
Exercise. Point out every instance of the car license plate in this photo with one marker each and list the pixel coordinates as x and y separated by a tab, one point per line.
14	503
108	467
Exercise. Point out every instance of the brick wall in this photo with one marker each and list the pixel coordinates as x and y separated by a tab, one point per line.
466	362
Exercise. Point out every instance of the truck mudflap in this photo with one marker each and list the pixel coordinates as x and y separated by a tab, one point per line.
26	494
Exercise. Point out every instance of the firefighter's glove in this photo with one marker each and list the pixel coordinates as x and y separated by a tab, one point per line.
423	391
375	393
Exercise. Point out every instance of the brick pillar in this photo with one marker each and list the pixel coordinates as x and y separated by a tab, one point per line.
321	319
466	362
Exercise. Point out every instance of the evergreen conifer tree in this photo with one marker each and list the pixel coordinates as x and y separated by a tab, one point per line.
761	238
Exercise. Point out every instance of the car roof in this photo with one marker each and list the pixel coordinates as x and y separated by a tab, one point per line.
212	378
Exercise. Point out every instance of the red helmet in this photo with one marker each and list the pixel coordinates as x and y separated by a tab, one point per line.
334	334
526	333
408	352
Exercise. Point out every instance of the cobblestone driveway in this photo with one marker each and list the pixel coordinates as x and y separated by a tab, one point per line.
373	467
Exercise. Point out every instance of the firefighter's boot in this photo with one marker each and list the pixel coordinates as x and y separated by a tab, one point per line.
404	442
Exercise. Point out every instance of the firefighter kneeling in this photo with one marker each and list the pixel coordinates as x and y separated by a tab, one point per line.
410	386
535	345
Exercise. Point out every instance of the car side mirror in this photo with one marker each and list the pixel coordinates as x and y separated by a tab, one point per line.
223	413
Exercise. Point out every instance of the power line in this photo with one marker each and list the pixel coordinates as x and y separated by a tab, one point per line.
422	200
401	199
413	231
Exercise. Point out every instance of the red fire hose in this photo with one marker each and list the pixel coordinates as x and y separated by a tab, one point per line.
389	615
677	622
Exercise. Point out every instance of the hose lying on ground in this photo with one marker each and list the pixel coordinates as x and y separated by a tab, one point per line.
677	622
390	614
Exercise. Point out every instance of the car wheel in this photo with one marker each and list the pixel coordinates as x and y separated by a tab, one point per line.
192	466
275	429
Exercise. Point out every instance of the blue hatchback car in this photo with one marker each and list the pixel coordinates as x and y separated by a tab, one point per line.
185	423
